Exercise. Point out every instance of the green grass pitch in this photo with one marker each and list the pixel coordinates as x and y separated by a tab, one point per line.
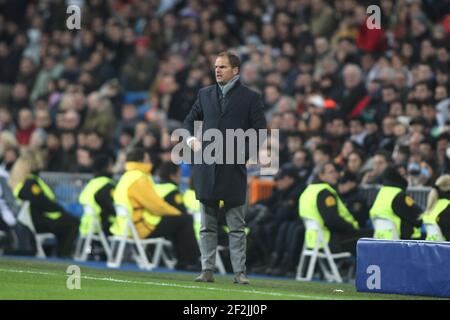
37	279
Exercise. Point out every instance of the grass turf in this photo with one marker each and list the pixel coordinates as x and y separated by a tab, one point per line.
36	280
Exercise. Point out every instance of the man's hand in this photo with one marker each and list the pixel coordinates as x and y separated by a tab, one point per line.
195	145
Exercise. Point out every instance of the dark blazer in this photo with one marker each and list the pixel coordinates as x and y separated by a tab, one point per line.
244	110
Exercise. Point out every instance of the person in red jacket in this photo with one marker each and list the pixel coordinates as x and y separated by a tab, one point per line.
25	126
369	40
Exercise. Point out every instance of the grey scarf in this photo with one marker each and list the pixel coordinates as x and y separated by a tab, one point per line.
227	87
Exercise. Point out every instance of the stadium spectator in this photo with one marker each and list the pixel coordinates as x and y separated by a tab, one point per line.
141	67
350	194
380	161
355	163
8	206
25	126
307	63
353	90
46	213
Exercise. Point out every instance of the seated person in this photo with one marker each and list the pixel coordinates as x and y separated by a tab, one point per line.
353	199
321	202
46	213
98	194
152	216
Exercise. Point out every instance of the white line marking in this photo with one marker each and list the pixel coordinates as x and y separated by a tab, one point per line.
165	284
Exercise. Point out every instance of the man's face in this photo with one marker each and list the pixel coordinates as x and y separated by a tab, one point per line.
94	141
356	127
379	164
329	175
146	158
299	159
284	183
354	163
224	71
25	119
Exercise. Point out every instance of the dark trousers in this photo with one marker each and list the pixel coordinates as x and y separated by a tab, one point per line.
347	241
64	228
180	231
288	245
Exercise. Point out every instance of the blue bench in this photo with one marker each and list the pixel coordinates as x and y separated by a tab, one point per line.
414	267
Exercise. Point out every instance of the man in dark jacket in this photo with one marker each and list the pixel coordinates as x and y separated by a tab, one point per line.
226	105
275	230
353	199
168	189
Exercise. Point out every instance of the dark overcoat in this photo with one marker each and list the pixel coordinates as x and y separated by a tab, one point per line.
243	110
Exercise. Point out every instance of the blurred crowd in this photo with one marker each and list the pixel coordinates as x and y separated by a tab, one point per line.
337	90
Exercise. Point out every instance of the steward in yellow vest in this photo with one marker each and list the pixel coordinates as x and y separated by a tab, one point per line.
152	216
438	208
167	188
184	240
98	194
392	203
47	214
320	202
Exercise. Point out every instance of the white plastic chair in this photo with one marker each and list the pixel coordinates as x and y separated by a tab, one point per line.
317	254
434	232
381	224
141	257
95	233
24	217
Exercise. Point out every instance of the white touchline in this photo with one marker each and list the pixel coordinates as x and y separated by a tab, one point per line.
163	284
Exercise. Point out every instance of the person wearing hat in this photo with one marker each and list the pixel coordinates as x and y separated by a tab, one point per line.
141	67
284	218
321	202
392	203
182	238
418	124
352	198
438	208
272	231
98	194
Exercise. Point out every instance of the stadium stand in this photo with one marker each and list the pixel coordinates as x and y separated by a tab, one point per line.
334	88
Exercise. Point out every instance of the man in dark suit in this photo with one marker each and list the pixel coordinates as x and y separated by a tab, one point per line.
226	105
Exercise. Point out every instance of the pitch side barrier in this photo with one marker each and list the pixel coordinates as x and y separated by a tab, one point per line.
68	186
411	267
